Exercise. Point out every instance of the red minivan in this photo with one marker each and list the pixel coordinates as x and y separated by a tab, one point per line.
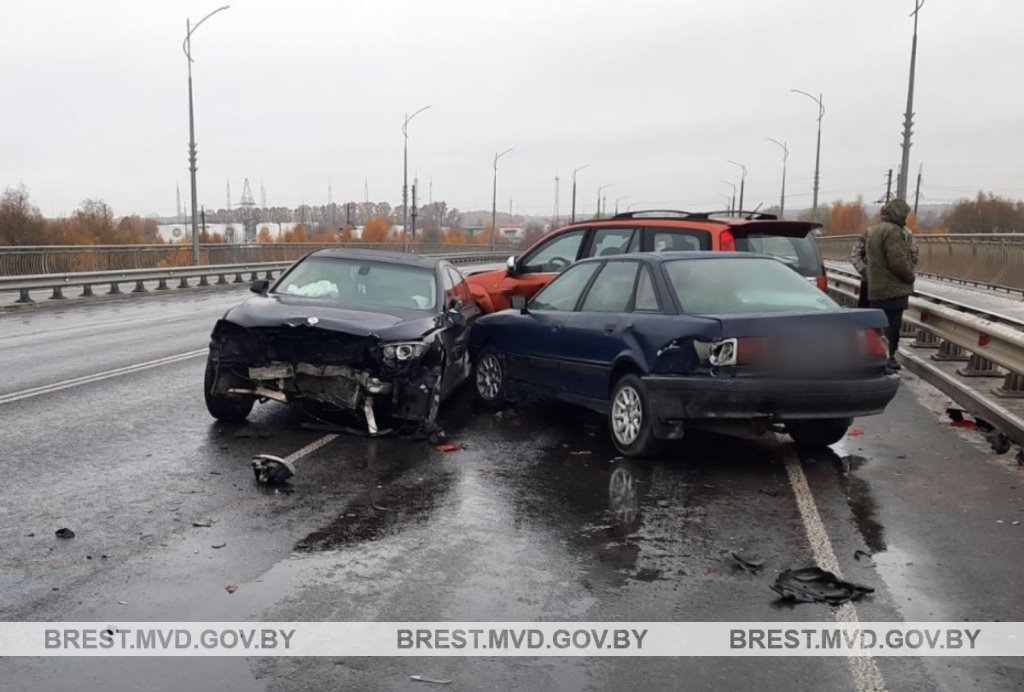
791	242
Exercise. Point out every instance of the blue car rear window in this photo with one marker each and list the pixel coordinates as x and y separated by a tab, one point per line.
731	286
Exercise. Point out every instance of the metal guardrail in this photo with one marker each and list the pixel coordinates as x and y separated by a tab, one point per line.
21	260
988	343
994	260
57	283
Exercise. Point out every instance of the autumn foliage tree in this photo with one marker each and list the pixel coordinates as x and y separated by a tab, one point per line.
847	218
986	213
454	236
376	230
264	236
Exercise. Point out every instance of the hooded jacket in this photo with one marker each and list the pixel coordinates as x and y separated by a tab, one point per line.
890	252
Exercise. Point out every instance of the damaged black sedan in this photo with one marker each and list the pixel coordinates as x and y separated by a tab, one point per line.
381	335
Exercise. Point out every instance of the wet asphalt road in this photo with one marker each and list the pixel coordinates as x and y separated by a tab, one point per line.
518	526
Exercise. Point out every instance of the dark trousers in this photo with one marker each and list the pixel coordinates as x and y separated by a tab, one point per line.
895	317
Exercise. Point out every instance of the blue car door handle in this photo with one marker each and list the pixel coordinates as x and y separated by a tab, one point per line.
609	328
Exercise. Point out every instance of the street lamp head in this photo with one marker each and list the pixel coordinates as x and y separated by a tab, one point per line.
187	43
730	183
785	147
744	168
817	99
498	156
405	124
576	170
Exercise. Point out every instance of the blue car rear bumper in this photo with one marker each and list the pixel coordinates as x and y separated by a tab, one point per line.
677	399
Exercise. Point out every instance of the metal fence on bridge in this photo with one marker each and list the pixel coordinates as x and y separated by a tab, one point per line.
982	258
67	259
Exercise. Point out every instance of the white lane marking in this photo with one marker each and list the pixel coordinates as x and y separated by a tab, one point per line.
311	447
88	379
866	675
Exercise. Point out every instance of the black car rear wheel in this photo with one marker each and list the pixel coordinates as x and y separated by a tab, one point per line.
629	419
489	379
232	408
818	433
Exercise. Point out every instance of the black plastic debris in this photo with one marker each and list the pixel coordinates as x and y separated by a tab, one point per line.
815	585
271	470
858	554
749	562
64	533
998	440
955	414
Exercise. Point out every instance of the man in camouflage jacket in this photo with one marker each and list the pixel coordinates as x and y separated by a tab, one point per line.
886	257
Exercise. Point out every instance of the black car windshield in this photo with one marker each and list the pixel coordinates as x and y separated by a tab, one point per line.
799	252
358	283
731	285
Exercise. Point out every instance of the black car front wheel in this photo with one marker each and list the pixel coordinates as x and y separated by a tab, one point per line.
629	419
489	379
232	408
818	433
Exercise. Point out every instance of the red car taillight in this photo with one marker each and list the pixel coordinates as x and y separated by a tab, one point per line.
727	241
822	282
873	343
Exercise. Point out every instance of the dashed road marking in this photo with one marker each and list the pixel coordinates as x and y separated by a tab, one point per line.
866	675
98	377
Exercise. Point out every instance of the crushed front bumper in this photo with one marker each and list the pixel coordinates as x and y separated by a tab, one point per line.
674	400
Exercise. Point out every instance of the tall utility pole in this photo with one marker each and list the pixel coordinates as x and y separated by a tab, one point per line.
743	181
888	186
908	117
554	222
599	190
785	155
177	213
186	46
405	174
817	151
574	172
228	207
732	205
263	196
494	200
413	214
917	193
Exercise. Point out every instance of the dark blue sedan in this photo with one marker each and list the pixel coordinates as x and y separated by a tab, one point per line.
665	342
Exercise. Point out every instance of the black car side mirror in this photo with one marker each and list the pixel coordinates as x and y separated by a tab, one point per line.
455	304
260	286
519	303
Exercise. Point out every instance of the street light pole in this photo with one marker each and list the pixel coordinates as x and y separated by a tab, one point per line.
405	174
743	181
817	152
619	199
494	200
574	172
908	118
732	205
785	155
186	46
599	198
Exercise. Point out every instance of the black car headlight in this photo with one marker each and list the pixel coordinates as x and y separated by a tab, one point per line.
404	350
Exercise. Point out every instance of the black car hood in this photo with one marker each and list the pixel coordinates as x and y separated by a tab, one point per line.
276	310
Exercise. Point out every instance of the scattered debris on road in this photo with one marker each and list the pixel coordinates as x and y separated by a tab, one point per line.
231	588
858	554
271	470
448	447
815	585
580	452
855	432
433	681
748	562
64	533
219	546
205	524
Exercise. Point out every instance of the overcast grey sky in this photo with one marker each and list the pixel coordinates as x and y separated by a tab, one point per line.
656	95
